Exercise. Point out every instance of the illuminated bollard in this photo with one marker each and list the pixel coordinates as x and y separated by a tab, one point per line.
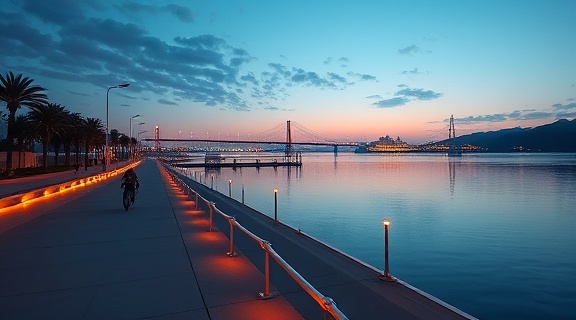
230	188
386	275
276	206
212	183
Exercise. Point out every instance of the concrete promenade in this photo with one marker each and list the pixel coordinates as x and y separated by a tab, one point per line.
81	256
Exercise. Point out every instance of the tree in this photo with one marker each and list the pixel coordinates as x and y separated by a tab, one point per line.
94	135
124	143
18	91
133	145
48	120
72	136
23	135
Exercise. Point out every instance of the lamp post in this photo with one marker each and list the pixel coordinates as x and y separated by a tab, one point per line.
137	124
130	136
138	140
386	275
230	188
130	127
106	157
276	206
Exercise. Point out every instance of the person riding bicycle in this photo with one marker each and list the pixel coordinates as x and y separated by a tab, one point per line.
130	182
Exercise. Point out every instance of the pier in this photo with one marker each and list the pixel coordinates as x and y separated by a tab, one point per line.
77	254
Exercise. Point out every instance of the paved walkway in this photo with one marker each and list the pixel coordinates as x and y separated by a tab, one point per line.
84	257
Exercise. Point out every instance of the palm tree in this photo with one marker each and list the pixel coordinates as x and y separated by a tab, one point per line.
18	91
72	136
23	135
76	137
94	135
133	145
114	136
124	141
48	120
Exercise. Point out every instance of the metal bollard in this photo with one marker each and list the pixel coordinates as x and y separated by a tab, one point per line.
231	252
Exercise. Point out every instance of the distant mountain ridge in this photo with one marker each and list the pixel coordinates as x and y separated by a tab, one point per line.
559	136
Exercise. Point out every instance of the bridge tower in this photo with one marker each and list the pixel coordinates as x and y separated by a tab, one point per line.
157	138
454	149
451	131
288	150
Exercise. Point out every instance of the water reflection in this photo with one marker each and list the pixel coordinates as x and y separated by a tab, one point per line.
504	228
452	173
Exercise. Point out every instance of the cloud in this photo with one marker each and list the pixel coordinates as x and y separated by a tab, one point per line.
413	71
405	95
182	13
419	94
166	102
362	76
409	50
309	78
391	103
374	96
501	117
62	12
560	106
71	45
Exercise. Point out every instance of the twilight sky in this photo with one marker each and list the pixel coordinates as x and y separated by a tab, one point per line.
352	70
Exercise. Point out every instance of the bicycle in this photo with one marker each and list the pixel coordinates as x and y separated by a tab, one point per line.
128	196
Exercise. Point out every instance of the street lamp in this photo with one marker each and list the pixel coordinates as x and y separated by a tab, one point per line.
106	157
130	127
138	140
386	275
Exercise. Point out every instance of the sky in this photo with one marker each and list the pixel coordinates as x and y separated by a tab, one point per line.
338	70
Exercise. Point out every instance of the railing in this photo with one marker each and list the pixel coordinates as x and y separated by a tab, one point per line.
326	303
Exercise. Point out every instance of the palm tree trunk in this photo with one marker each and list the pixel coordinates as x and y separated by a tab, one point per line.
67	154
86	156
9	142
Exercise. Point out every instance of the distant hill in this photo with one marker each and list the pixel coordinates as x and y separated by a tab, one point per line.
559	136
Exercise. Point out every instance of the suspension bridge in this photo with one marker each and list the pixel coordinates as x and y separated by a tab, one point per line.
288	135
270	137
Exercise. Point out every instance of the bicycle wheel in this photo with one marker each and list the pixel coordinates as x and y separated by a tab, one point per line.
126	199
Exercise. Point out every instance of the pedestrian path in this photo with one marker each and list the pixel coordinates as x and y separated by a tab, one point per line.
84	257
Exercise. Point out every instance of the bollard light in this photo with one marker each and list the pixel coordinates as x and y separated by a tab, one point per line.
212	183
276	206
242	193
230	188
386	275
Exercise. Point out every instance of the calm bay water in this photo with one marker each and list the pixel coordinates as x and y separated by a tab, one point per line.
492	234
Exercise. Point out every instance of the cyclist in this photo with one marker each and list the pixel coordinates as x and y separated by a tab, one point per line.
130	182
